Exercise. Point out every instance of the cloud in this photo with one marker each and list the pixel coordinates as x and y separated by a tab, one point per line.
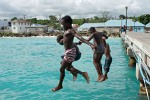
76	8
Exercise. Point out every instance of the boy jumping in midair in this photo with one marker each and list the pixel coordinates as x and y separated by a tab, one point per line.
108	60
70	50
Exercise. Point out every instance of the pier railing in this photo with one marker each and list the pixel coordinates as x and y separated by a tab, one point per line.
138	47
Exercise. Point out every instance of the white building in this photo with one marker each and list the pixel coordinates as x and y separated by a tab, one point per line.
19	26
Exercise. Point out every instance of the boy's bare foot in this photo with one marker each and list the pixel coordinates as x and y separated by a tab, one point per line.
103	78
85	75
57	88
99	78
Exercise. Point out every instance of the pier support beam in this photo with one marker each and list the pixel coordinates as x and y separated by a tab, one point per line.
126	45
132	60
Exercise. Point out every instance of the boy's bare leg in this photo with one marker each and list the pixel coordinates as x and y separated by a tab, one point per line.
72	71
85	75
98	66
62	75
74	75
98	71
76	72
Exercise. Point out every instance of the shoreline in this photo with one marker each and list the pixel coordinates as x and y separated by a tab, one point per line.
47	37
47	34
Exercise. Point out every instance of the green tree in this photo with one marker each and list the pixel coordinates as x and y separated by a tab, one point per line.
43	22
14	18
144	19
79	21
134	19
122	17
96	17
33	20
54	22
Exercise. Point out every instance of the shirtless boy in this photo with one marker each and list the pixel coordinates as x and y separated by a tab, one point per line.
98	53
74	71
70	50
108	60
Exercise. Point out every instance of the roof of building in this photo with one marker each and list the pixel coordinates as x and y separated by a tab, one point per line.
139	24
112	23
147	25
20	21
117	23
88	25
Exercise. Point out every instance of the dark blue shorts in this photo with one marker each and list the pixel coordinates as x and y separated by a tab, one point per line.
107	64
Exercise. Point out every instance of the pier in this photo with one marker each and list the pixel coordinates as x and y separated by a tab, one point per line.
137	46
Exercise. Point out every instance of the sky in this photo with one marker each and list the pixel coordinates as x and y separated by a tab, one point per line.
42	9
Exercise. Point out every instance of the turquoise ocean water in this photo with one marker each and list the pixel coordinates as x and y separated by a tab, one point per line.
29	69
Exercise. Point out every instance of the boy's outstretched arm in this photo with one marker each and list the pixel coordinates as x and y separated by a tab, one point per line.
84	40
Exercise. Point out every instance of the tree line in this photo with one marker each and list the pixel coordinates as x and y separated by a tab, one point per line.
54	22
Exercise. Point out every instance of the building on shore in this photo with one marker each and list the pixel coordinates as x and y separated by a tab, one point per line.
24	26
114	26
19	25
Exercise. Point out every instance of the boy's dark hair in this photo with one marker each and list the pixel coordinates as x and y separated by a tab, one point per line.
59	37
92	29
67	19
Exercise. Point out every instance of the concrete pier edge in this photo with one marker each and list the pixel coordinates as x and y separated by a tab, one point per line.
134	42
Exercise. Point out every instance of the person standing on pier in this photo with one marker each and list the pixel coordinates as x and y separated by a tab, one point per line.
70	50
